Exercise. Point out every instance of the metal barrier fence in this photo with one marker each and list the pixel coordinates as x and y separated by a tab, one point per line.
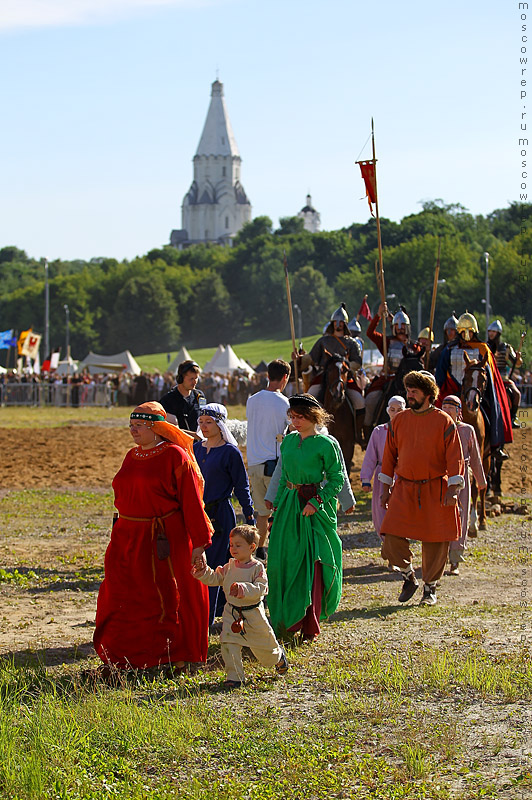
36	394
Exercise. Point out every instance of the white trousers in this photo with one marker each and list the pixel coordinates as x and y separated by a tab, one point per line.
232	656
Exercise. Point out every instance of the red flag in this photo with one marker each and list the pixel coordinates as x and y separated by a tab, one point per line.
367	168
365	310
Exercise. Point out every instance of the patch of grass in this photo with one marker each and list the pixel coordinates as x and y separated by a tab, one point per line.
427	669
55	504
60	740
16	577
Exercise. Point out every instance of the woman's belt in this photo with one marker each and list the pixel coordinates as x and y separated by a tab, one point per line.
305	491
420	483
157	531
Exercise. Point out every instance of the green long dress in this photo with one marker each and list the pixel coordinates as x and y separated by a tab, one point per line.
298	542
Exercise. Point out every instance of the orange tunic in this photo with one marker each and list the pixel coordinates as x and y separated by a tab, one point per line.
424	450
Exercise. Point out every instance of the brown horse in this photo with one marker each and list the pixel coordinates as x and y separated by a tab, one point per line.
474	385
335	378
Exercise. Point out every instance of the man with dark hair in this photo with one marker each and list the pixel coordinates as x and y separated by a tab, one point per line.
267	419
423	451
184	401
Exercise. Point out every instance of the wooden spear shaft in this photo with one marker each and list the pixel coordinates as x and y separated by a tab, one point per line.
379	245
433	303
291	318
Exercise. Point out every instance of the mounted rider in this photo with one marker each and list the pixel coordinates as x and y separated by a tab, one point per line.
505	356
394	348
449	335
336	340
450	374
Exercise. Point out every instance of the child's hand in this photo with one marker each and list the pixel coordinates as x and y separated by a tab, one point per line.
236	590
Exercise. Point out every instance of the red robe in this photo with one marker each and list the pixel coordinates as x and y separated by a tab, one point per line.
422	446
153	611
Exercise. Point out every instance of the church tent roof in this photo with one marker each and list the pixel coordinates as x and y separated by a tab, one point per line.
217	138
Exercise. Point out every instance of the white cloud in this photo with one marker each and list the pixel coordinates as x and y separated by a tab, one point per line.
16	14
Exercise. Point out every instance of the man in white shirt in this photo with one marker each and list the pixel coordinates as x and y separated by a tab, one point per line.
266	413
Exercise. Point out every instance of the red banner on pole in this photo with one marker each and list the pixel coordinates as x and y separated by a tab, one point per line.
367	168
365	310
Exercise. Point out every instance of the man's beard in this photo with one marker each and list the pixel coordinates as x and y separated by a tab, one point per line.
415	404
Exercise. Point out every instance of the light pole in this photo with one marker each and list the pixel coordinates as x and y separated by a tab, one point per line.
299	322
46	311
487	257
427	286
67	337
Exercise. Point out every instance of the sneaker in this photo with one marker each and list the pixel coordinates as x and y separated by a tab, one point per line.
260	553
454	570
282	665
410	584
516	423
429	596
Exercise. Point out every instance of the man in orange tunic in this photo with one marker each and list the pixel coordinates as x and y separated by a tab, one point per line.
423	450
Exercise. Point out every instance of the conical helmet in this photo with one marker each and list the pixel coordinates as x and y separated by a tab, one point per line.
467	326
424	334
450	323
401	318
354	326
340	315
495	326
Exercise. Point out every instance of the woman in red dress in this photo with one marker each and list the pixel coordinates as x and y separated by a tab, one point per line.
151	610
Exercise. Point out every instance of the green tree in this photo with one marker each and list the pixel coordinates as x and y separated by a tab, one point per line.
145	319
315	298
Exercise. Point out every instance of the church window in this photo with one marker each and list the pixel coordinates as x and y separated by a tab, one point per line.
206	233
223	172
227	222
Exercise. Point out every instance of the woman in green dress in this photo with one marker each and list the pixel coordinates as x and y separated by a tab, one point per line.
305	551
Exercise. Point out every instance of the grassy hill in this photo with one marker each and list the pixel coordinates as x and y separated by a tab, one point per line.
253	352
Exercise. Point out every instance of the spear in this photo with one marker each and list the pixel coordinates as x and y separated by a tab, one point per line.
291	317
433	304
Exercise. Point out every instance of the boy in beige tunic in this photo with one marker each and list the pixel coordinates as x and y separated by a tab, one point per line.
244	622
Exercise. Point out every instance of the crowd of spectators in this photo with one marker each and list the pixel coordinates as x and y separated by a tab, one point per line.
124	390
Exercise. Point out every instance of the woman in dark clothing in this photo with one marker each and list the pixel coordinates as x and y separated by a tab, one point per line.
223	469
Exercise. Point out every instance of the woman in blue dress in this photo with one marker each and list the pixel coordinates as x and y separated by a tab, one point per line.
223	470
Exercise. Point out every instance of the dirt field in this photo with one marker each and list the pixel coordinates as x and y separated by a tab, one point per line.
87	456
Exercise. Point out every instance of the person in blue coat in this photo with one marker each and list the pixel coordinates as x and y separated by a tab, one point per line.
223	470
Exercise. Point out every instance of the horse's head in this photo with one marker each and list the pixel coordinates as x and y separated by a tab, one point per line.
474	382
336	377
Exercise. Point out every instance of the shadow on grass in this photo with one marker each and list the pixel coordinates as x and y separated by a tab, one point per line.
376	612
48	656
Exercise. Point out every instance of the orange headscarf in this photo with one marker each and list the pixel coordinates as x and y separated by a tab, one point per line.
154	412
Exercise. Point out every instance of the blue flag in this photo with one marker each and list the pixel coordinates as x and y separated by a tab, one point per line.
7	340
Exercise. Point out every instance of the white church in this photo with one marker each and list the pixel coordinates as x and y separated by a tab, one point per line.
216	206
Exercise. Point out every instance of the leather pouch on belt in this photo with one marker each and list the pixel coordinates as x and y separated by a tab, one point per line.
306	492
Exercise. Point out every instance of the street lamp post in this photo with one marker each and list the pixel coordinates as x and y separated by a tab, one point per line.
299	322
487	257
46	311
427	286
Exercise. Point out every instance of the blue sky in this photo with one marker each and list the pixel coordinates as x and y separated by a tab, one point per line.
104	101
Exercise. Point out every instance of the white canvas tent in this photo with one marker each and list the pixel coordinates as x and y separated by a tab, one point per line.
226	361
210	366
119	362
183	355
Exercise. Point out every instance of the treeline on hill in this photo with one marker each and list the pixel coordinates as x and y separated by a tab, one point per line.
208	294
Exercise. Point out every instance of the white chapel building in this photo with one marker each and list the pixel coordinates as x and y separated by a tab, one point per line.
216	206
